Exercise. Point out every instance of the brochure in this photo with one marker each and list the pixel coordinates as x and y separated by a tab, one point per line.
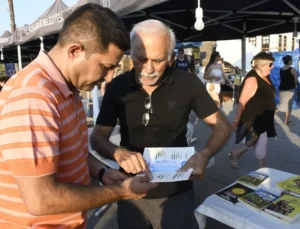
164	163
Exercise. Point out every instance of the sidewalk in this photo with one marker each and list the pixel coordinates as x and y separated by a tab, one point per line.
283	154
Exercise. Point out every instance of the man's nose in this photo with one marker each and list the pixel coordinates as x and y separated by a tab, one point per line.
149	66
109	75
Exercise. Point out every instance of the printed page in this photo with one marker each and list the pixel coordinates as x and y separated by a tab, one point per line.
171	176
164	162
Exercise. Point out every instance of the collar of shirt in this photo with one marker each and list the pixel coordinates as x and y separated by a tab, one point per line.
165	79
46	63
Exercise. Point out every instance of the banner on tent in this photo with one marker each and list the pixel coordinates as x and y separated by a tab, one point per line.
10	69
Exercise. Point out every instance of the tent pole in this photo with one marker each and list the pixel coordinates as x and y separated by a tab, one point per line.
244	50
1	50
96	108
42	43
20	57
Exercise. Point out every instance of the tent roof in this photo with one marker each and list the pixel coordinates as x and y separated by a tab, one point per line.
6	34
223	20
55	8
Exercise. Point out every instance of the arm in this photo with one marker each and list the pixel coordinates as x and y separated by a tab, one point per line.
131	162
205	108
111	176
247	93
99	141
56	197
207	76
221	133
225	77
294	73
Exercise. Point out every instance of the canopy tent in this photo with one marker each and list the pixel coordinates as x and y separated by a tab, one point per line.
56	7
48	25
223	19
186	45
5	40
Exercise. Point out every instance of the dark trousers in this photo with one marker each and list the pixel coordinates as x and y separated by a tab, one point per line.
175	212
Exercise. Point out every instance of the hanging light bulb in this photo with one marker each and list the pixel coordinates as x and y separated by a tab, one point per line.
296	19
199	24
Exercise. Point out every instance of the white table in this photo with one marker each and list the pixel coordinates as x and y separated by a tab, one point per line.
240	217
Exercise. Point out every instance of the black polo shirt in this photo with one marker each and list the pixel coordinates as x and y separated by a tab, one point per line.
178	94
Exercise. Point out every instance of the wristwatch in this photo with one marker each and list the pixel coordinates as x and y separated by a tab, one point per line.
101	173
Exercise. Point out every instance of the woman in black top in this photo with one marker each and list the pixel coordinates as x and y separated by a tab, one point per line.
254	117
288	83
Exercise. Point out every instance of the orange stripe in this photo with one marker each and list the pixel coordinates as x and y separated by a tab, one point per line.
29	112
29	96
35	168
29	144
27	128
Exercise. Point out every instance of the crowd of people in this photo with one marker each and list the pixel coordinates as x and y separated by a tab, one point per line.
46	170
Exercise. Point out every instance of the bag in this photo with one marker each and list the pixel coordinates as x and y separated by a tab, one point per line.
241	133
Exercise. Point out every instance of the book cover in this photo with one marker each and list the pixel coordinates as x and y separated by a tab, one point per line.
274	217
258	199
252	179
291	184
233	192
286	207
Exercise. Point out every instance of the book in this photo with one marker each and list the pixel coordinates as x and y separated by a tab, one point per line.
164	162
273	217
233	192
258	199
291	184
286	207
252	179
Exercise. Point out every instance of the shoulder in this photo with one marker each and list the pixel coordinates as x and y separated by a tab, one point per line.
180	75
121	80
33	80
251	80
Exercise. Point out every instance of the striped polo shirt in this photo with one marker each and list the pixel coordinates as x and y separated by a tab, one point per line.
43	131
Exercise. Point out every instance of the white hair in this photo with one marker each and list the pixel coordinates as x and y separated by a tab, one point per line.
157	27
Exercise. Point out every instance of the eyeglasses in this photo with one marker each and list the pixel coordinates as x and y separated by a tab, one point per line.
180	53
148	107
271	65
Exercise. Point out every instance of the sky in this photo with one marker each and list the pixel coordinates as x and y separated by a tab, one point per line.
26	11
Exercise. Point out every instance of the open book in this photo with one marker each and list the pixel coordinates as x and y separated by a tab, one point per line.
164	163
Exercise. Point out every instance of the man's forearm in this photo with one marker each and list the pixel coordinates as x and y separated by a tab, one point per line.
218	138
67	198
103	146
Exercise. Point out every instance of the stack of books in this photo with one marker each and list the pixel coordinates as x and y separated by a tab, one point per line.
284	208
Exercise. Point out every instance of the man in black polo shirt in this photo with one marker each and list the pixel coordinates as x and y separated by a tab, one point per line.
153	103
181	62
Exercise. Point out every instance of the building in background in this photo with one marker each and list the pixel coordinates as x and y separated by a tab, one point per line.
275	42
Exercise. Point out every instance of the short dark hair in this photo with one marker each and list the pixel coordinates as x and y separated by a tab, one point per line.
181	50
95	27
286	59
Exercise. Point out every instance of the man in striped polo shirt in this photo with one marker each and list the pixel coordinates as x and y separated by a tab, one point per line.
45	168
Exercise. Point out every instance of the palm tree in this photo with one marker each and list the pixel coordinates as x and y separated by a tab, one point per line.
11	15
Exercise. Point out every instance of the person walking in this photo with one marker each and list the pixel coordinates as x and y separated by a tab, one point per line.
254	118
287	87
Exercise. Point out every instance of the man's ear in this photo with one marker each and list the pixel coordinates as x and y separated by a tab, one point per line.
75	50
